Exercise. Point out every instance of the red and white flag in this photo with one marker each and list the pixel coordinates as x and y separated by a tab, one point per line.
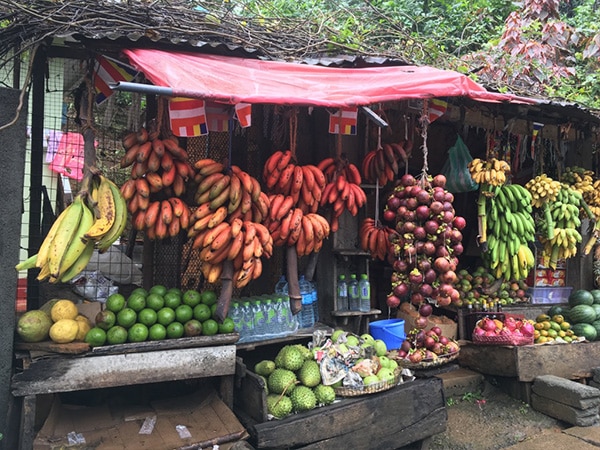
188	117
343	121
217	116
436	108
109	71
243	112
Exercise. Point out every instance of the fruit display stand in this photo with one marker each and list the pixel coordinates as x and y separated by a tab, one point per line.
121	365
517	366
408	413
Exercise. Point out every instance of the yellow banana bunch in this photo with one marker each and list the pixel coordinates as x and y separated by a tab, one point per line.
582	180
78	230
543	189
491	171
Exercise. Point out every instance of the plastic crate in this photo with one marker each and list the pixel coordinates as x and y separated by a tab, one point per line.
540	295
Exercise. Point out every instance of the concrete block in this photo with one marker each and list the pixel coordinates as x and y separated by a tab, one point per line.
575	416
596	374
595	384
461	381
566	391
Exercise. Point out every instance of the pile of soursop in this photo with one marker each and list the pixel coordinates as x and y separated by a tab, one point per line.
293	382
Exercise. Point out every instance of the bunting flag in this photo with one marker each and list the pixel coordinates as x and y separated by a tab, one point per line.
109	71
536	131
217	116
188	117
436	108
343	121
243	112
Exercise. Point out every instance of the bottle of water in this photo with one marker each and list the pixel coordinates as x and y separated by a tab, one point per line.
306	314
315	301
342	294
235	313
353	294
258	315
364	288
271	326
247	322
289	322
281	286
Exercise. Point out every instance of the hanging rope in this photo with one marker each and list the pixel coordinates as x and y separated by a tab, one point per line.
424	120
293	131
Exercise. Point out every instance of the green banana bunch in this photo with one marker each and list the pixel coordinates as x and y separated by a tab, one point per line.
78	230
510	227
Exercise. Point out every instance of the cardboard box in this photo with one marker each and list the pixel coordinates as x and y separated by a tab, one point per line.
448	326
203	415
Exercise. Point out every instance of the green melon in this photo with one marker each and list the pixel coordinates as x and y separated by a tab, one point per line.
596	294
597	309
558	309
582	314
596	325
581	297
585	330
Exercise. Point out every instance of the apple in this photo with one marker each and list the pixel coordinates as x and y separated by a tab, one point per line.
336	334
342	348
386	374
393	364
352	341
380	347
367	338
384	361
371	379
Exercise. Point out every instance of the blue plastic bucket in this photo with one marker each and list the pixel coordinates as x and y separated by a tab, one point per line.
390	331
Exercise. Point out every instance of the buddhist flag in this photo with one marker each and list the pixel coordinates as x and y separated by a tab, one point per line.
243	112
188	117
436	109
537	126
108	71
217	116
343	121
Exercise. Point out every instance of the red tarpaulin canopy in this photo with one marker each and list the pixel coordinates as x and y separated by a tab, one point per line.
233	80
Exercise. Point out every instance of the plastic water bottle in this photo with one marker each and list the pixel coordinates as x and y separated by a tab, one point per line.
342	294
306	314
364	288
258	316
289	322
281	286
271	326
247	322
314	301
353	294
235	313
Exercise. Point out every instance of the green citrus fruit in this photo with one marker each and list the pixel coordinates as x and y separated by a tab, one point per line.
202	312
96	337
227	326
213	310
183	313
192	328
126	317
155	301
137	333
105	319
191	297
158	289
115	302
165	316
208	298
210	327
157	332
137	302
116	335
139	290
172	299
147	316
176	291
175	330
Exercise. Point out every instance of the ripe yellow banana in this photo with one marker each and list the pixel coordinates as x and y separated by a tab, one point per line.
106	215
64	235
120	222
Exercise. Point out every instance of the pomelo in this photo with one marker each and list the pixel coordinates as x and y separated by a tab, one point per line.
34	326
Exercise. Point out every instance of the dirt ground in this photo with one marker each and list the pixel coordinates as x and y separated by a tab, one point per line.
491	420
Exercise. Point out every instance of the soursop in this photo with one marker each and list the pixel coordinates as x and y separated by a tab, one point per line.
325	394
306	352
303	399
264	367
281	380
290	358
310	373
279	406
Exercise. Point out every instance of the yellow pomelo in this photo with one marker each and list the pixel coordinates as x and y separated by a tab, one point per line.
64	331
82	328
82	318
64	309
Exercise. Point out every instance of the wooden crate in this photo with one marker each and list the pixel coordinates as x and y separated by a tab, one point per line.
408	413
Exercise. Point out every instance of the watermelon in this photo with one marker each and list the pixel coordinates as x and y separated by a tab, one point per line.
582	314
596	325
563	310
585	330
596	294
596	307
581	297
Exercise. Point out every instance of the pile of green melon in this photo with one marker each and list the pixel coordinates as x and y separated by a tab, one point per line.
583	312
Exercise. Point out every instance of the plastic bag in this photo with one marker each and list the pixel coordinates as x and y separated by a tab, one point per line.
458	177
68	159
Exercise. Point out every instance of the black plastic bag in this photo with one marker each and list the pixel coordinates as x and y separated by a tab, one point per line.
456	171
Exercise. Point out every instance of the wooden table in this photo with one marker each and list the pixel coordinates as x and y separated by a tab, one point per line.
58	373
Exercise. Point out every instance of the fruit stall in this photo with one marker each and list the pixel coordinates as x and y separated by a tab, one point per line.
300	262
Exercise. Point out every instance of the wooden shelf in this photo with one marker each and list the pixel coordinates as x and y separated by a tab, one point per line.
302	333
372	312
351	252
